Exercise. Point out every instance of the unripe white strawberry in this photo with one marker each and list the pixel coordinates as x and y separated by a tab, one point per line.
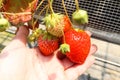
80	17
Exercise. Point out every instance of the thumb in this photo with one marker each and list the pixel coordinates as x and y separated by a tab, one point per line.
21	36
20	39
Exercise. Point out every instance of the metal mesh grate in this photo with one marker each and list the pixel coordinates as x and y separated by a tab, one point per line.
104	15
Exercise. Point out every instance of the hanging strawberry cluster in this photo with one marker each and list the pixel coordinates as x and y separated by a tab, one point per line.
59	33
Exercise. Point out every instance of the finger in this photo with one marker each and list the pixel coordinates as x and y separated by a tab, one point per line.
89	33
93	49
76	70
19	40
21	37
22	33
67	63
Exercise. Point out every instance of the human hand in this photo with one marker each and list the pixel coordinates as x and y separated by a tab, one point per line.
18	62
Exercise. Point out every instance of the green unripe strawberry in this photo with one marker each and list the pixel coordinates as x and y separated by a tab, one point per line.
4	24
80	17
54	24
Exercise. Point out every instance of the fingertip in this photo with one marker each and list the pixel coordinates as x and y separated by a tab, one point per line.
89	33
22	34
23	30
93	49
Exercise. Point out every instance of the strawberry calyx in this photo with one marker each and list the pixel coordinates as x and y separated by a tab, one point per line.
64	48
80	17
54	24
48	36
52	20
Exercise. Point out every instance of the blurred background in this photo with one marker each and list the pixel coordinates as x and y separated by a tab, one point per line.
104	23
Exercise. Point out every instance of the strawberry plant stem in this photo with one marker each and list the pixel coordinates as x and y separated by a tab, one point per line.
39	5
46	13
63	37
50	5
77	4
34	22
66	13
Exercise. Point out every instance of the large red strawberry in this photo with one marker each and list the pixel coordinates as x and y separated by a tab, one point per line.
47	44
57	24
76	46
19	11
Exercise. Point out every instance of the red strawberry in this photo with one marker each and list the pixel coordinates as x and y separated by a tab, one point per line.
60	55
47	44
66	23
79	43
57	23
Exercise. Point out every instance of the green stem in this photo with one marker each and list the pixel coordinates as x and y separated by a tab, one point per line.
77	5
46	13
68	18
50	5
34	22
39	5
66	13
34	13
63	36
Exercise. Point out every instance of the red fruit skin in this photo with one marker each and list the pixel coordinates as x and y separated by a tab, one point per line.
60	55
80	43
47	47
67	24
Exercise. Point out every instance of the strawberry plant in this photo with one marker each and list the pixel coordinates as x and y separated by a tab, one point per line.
56	23
59	33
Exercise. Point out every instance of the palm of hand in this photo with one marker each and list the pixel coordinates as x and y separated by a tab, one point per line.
22	63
